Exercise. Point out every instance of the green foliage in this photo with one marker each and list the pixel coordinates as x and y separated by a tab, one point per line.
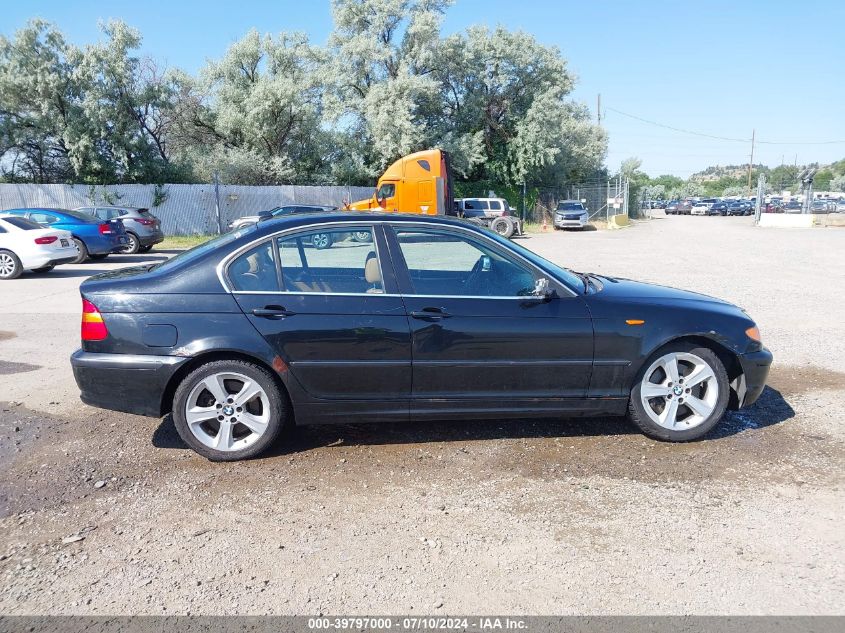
276	109
160	195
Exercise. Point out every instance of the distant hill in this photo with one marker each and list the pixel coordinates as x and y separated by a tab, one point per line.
718	172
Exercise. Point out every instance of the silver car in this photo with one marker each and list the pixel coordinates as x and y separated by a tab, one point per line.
278	212
571	214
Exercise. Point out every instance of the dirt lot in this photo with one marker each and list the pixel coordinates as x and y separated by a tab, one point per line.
106	513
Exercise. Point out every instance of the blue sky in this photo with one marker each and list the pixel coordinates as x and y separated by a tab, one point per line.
721	68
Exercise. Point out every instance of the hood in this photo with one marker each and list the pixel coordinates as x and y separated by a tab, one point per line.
650	293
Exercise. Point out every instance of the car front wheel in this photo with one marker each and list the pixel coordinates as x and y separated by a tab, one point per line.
229	410
681	393
321	240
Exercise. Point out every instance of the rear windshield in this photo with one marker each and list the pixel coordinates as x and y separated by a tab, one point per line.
570	206
75	214
23	223
202	249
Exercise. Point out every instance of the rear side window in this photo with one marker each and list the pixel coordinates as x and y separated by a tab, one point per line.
331	261
255	270
495	205
23	223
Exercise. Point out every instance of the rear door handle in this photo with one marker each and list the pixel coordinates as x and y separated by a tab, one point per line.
272	312
431	314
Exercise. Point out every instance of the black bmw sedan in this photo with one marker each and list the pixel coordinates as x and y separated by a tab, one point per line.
430	318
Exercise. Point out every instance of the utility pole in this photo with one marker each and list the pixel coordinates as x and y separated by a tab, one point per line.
751	160
598	110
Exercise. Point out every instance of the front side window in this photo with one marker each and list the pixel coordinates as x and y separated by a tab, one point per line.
448	264
387	190
331	261
255	270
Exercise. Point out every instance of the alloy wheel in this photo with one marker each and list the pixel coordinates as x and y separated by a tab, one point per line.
227	411
679	391
7	265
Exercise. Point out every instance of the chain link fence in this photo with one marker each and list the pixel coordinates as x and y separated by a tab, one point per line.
602	199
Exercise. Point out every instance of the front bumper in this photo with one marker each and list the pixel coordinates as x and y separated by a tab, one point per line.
755	370
132	383
570	223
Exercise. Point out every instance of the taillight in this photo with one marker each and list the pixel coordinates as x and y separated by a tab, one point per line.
144	221
93	326
105	228
48	239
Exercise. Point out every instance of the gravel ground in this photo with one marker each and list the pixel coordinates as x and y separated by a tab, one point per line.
107	513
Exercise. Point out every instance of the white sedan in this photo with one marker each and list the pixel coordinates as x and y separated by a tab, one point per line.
700	208
26	245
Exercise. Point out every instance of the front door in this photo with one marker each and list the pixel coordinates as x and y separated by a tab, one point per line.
479	339
335	320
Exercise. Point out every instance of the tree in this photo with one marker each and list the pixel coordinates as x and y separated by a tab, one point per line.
838	183
380	80
92	115
734	191
255	115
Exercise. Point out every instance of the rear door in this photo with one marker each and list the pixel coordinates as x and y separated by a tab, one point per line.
479	340
333	314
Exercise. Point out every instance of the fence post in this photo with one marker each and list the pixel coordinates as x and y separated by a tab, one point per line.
217	204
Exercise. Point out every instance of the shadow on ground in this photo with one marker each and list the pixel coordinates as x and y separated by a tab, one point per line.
771	409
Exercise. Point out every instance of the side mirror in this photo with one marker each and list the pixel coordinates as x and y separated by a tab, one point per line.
541	289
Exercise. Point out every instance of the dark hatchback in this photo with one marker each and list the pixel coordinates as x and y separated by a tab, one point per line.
432	319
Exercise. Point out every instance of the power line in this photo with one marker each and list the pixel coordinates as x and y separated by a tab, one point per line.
721	138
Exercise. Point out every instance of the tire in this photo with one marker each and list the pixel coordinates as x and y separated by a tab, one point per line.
83	251
503	225
145	249
10	265
269	407
362	236
321	240
99	256
133	246
44	269
710	393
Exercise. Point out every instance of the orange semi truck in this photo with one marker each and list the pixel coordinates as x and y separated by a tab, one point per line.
417	183
422	183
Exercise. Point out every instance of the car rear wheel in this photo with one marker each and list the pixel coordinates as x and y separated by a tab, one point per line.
133	245
229	410
362	236
83	251
10	265
681	393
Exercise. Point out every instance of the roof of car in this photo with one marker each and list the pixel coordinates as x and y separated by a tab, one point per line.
298	219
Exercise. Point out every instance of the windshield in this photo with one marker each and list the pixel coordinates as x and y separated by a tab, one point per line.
564	274
86	217
570	206
202	249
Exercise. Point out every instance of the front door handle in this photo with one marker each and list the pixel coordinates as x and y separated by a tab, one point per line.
272	312
431	314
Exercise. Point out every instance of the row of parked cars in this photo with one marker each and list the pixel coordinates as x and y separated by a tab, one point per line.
39	239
